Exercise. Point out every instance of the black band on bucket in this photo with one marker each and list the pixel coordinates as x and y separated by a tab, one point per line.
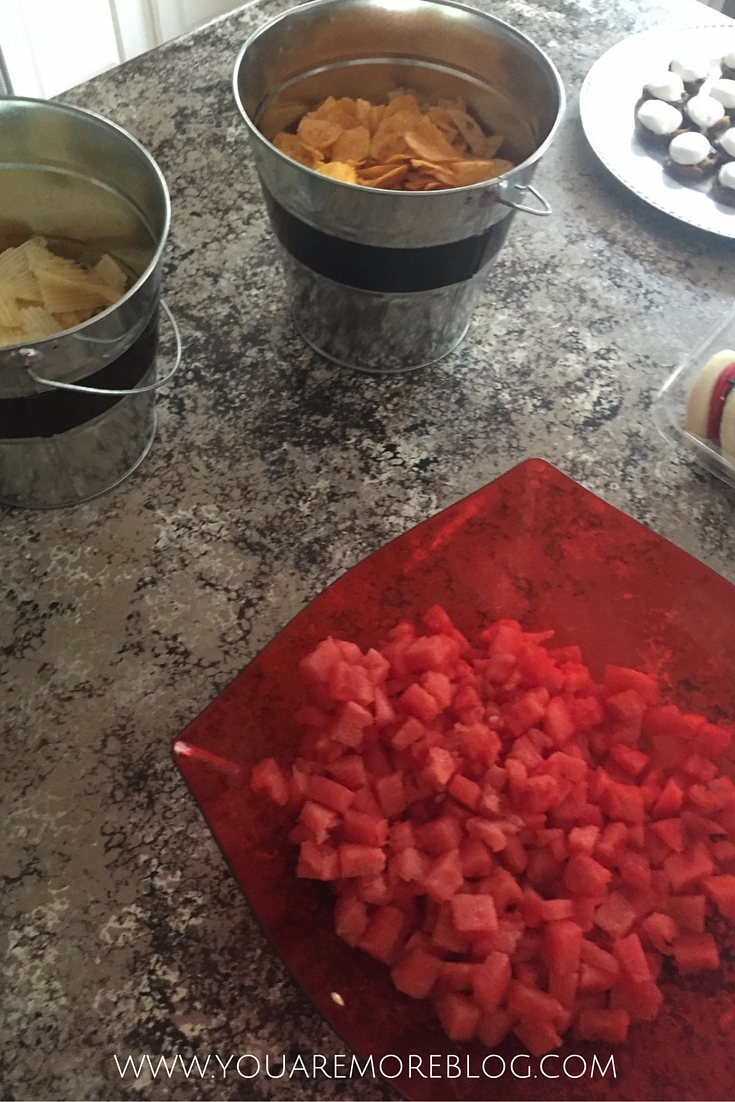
55	411
374	268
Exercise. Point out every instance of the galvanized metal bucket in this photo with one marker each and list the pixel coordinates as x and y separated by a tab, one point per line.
387	281
77	410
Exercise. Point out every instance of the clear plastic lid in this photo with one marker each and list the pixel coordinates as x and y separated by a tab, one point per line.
670	403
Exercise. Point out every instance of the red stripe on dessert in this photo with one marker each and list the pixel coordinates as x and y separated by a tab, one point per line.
720	391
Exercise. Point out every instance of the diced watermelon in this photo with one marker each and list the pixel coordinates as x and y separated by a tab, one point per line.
268	777
473	914
475	858
439	768
466	791
721	890
695	952
445	935
422	765
688	912
318	862
629	954
585	876
416	973
711	740
350	724
615	915
440	835
635	869
557	721
329	793
562	945
688	868
459	1016
539	1037
420	703
455	976
348	682
319	820
433	652
490	981
383	934
315	666
661	930
619	679
350	918
391	794
632	761
444	878
528	1004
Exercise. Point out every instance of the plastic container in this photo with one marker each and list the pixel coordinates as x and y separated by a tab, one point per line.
670	403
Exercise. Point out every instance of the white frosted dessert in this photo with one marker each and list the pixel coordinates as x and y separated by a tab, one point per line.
726	142
658	122
667	87
691	157
723	189
692	69
727	65
724	91
705	112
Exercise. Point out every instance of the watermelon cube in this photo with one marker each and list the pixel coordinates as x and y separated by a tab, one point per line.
445	877
695	952
490	980
416	973
721	890
459	1016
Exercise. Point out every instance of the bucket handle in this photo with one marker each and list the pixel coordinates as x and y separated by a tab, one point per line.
544	209
31	354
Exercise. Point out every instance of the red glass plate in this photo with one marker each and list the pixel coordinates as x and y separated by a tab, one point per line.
534	546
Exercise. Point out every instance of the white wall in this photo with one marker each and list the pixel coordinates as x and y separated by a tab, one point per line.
51	45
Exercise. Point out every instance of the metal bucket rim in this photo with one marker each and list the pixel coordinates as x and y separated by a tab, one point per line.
496	184
155	260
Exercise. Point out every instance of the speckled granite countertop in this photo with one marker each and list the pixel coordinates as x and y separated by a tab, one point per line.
123	931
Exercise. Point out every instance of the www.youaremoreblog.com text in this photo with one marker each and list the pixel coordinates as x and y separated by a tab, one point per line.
340	1066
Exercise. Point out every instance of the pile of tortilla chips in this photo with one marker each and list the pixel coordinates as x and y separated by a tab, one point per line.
395	145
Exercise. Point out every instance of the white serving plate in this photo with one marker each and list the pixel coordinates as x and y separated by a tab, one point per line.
610	92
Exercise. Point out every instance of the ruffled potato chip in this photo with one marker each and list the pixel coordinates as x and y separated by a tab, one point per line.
38	323
9	315
42	294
